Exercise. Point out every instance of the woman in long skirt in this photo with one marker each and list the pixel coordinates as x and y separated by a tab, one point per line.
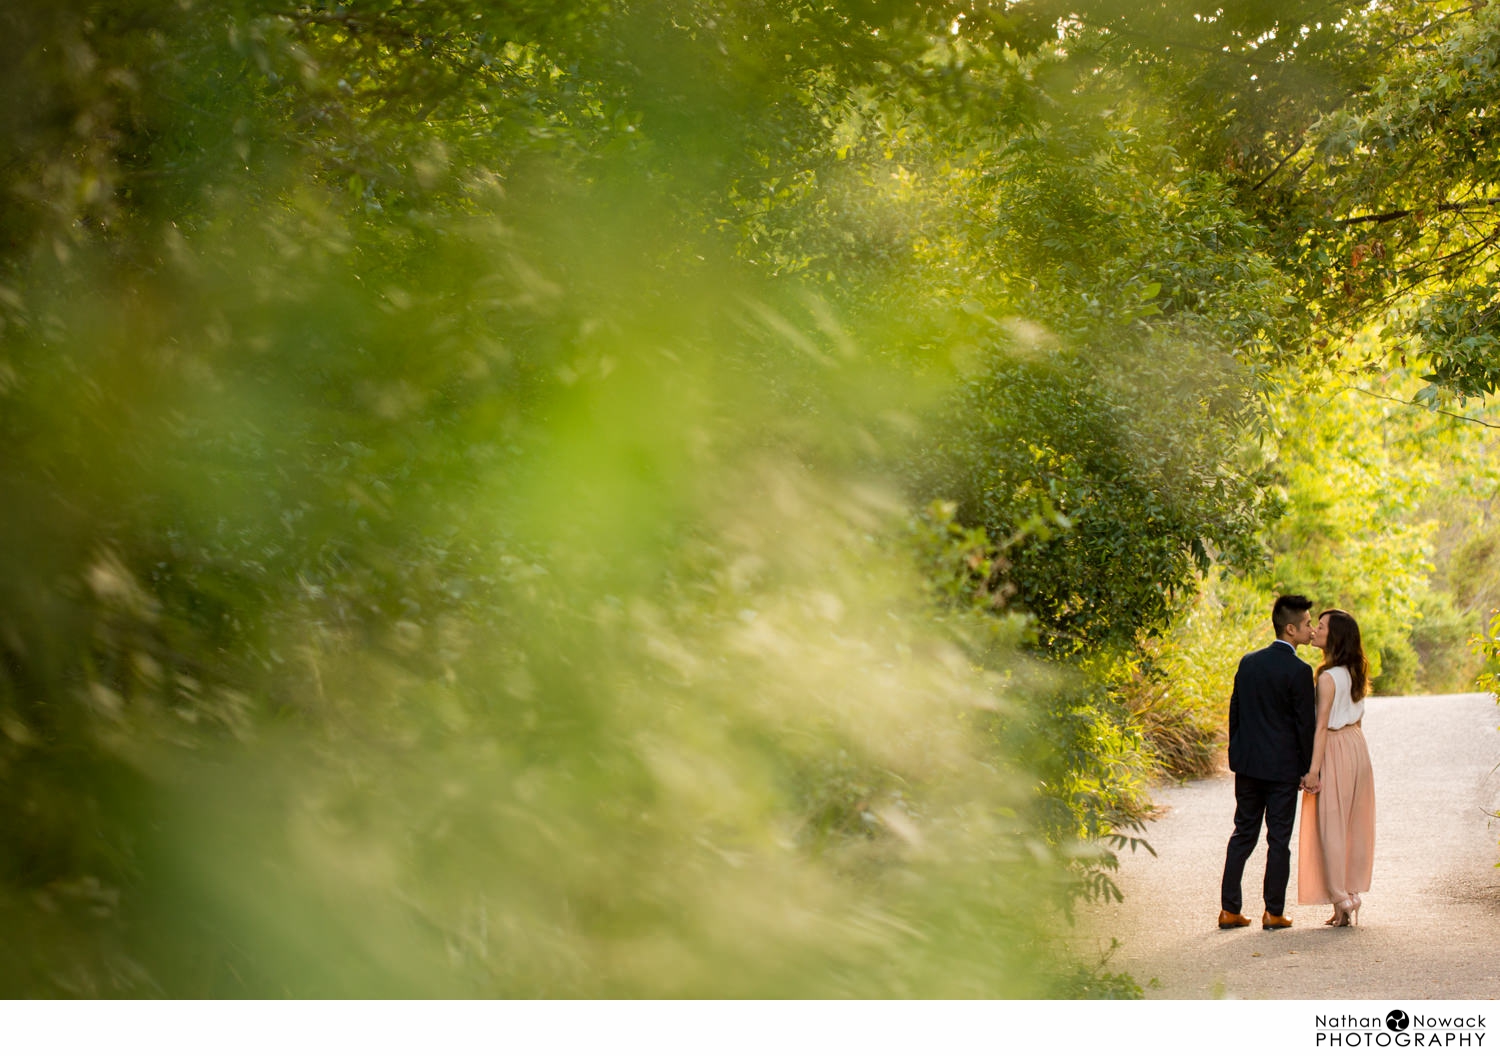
1336	847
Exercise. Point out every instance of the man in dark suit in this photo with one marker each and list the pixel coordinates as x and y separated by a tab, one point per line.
1272	712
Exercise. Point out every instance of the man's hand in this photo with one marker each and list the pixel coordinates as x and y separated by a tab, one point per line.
1310	783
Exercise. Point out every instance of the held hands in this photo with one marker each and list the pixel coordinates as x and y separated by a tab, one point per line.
1310	782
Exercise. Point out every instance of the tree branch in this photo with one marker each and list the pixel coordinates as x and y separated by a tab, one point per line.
1423	406
1426	27
1267	177
1116	30
1397	214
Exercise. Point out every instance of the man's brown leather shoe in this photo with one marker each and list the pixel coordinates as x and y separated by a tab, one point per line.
1271	921
1232	920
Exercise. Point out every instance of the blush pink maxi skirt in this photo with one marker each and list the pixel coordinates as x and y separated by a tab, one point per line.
1336	845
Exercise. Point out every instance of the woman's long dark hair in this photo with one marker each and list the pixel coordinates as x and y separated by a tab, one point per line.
1343	649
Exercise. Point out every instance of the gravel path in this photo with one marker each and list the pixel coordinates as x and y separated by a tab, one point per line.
1429	929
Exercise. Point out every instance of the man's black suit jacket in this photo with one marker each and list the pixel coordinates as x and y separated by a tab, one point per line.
1272	715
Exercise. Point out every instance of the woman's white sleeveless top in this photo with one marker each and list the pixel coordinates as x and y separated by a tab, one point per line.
1345	708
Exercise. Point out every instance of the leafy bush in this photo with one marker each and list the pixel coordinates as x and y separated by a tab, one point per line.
1440	638
1486	646
1179	691
1084	748
1474	570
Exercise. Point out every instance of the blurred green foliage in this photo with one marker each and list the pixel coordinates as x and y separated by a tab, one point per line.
443	562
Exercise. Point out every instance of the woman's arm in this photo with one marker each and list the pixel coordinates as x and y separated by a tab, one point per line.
1320	733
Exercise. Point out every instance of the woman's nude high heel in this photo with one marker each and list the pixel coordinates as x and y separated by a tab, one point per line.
1346	913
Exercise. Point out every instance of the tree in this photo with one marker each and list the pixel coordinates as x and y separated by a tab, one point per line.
1357	136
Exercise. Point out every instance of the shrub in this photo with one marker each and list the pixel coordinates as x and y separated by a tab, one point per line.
1440	638
1178	691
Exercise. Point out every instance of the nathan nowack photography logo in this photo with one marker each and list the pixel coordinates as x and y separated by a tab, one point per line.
1400	1031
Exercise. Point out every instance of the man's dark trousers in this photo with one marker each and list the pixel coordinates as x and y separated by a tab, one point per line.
1277	801
1272	713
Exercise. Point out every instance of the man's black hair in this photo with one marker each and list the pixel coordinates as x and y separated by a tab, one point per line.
1287	609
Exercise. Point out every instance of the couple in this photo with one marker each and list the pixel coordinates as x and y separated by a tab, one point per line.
1289	729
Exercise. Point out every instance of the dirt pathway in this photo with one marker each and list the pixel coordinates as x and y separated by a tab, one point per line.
1429	929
